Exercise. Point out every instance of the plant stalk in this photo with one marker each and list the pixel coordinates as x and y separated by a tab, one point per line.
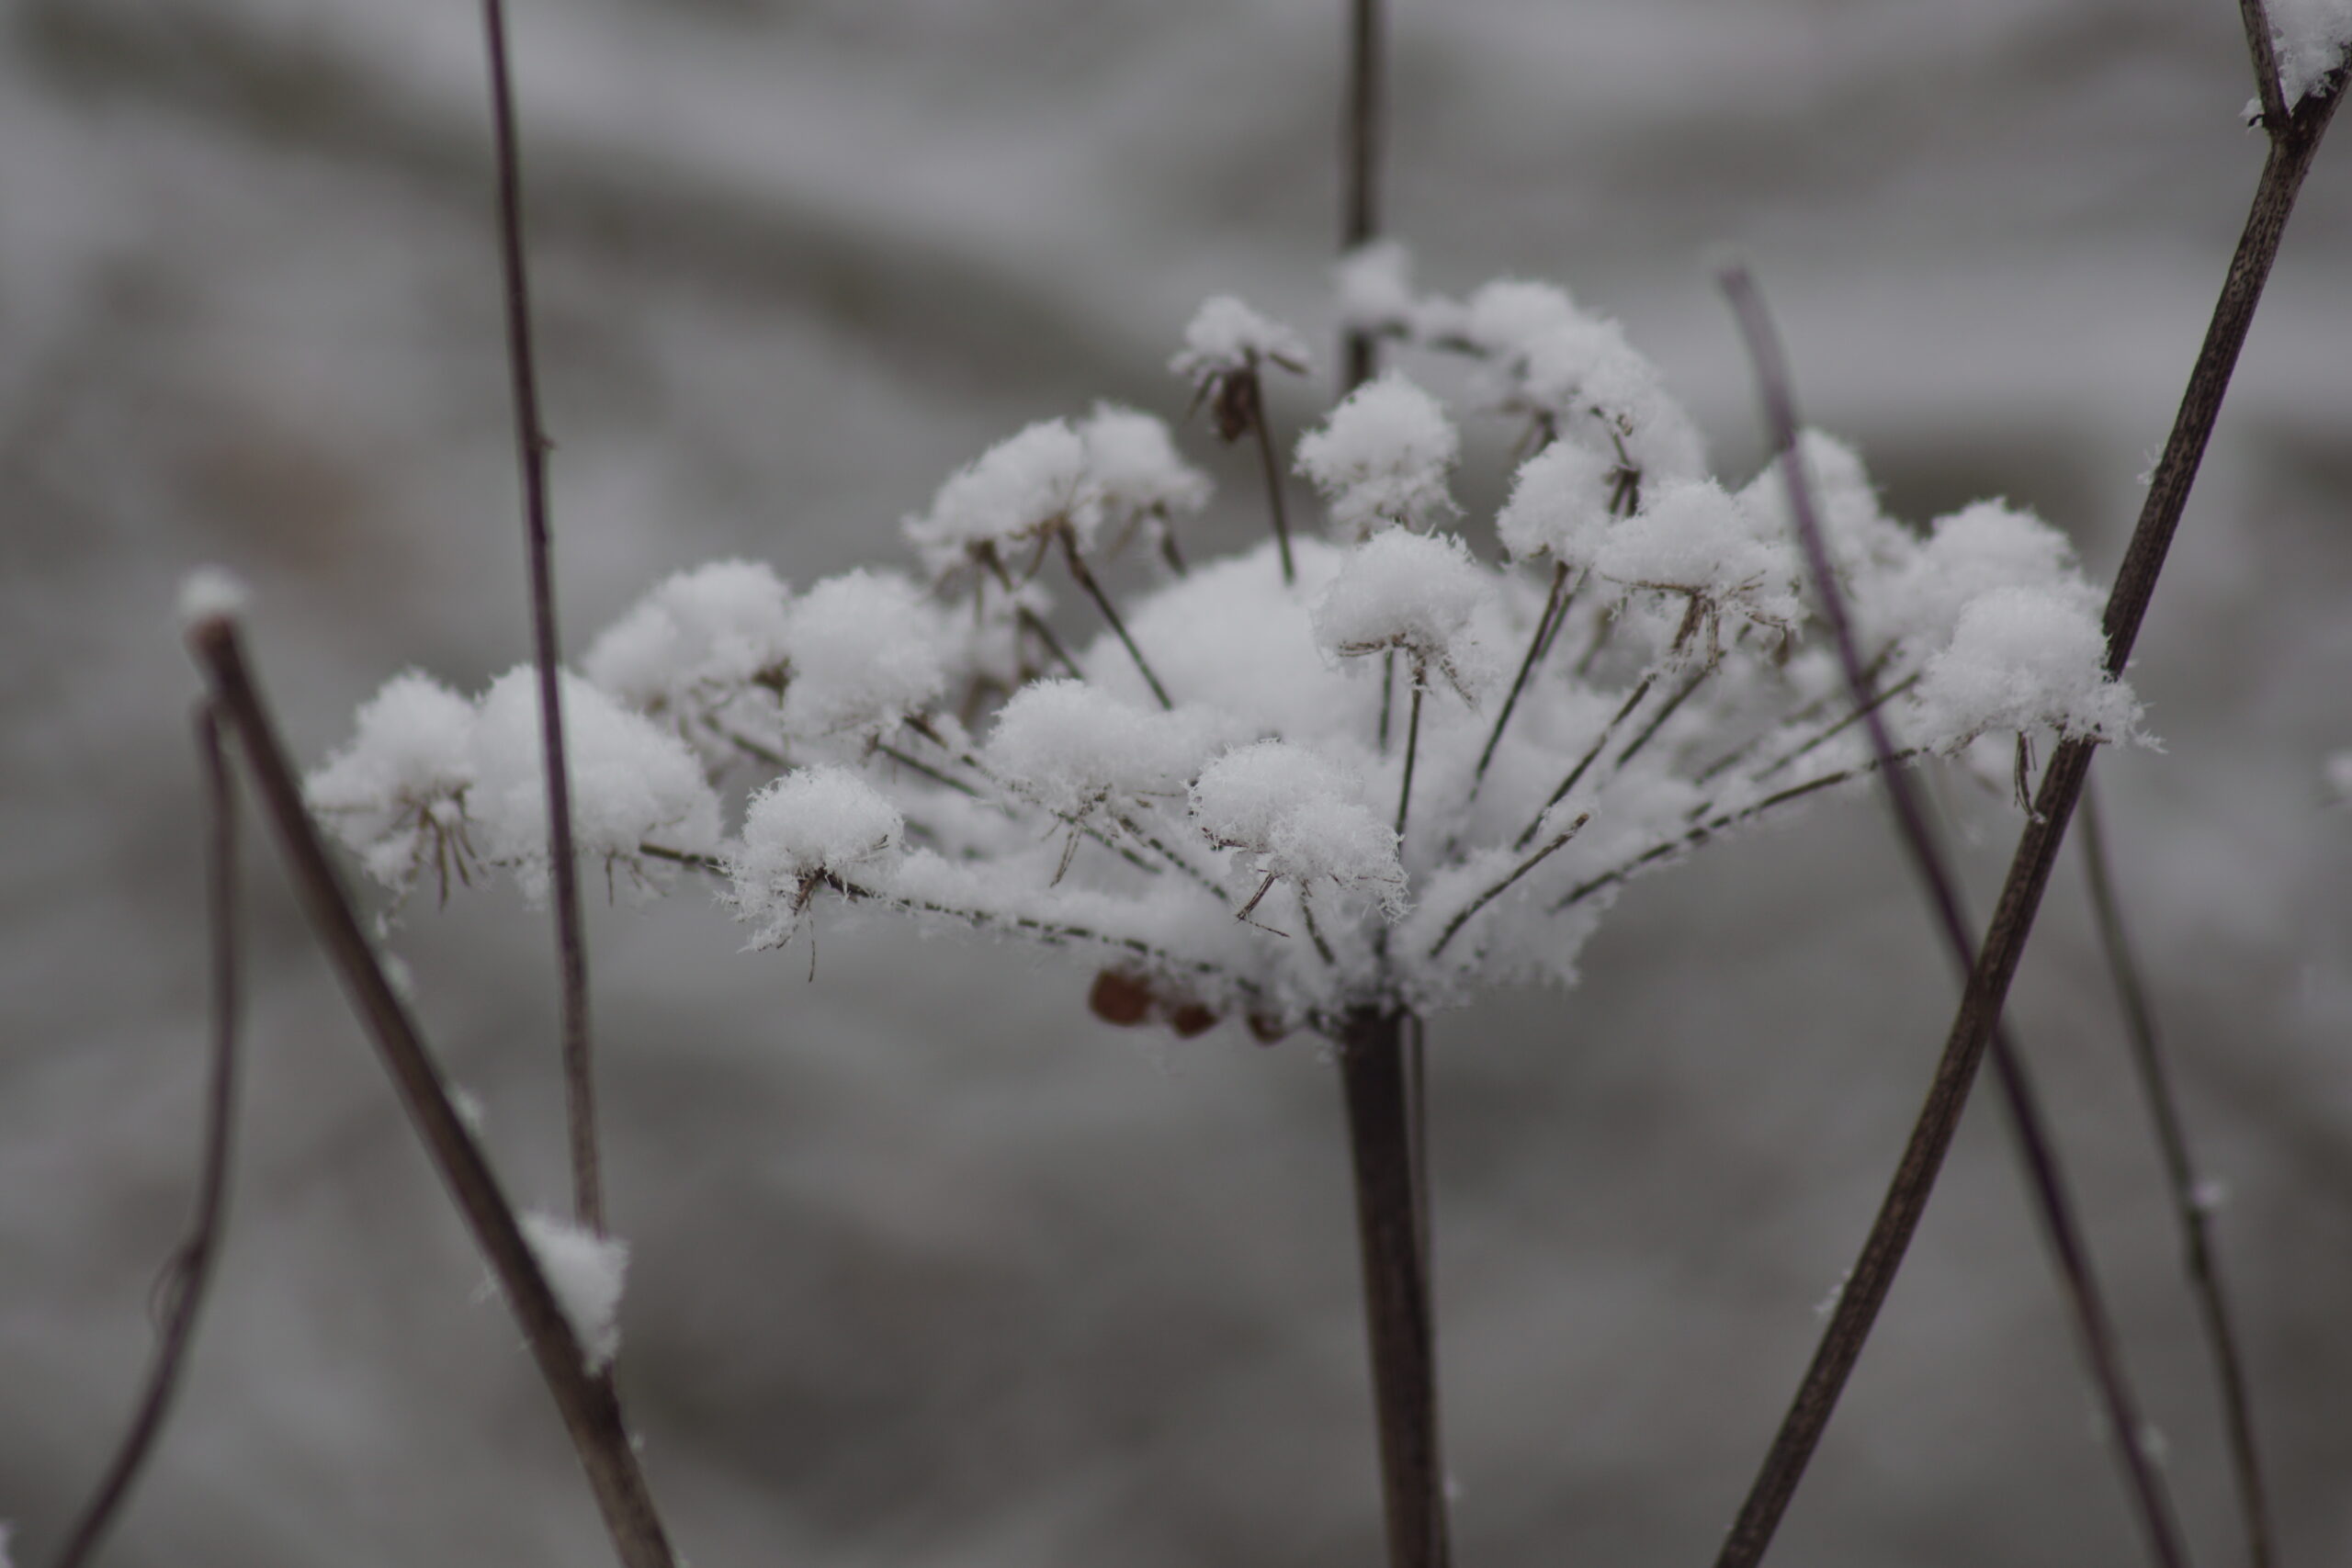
1395	1286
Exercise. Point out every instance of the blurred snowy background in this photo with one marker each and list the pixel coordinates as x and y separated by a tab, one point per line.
930	1268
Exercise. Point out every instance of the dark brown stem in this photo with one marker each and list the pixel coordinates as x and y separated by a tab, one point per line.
2265	62
1553	611
1461	918
1412	752
1273	471
2189	1204
1078	569
1396	1291
1360	159
531	447
591	1415
190	1269
1990	972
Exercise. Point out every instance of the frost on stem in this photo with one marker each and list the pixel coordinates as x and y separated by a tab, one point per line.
586	1271
2311	39
949	758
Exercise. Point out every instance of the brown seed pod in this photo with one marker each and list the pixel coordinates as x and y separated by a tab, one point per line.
1190	1018
1120	997
1267	1030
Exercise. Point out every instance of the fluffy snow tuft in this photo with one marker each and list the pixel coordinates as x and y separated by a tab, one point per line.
1381	458
209	593
866	650
1073	747
2022	658
2310	37
1559	505
1414	592
1374	282
1302	818
631	781
1696	539
811	824
1138	479
1020	488
694	646
395	794
1226	337
1984	546
586	1271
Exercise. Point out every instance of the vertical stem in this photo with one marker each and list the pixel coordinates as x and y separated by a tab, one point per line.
1372	1071
189	1272
1273	486
1077	568
531	447
1360	154
2189	1207
1553	611
1412	750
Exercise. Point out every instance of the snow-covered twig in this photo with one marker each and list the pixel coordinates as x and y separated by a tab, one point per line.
591	1413
190	1269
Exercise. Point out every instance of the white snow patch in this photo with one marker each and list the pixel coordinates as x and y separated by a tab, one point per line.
587	1272
2022	658
808	825
1381	458
2310	37
1415	594
1226	337
209	592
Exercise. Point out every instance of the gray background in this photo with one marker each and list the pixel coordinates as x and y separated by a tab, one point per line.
930	1267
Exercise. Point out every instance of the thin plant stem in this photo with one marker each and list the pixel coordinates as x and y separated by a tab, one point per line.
1396	1301
531	447
1463	916
1412	752
591	1412
1555	608
2190	1206
2266	87
1667	709
1078	569
1361	139
1584	764
2294	142
189	1270
1273	471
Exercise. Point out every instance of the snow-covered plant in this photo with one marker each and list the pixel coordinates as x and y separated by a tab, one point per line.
1366	772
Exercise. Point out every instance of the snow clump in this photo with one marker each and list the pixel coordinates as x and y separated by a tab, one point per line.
587	1272
1381	459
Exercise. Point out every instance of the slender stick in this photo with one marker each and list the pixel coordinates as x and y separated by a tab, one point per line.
1412	751
1273	471
1077	568
1883	1252
1371	1072
1553	609
1360	140
2190	1205
1463	916
531	445
2266	63
591	1415
1584	764
189	1270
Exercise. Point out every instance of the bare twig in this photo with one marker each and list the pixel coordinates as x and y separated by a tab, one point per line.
1361	137
1555	609
1273	471
1463	916
531	444
1412	750
1882	1251
1584	764
592	1414
1397	1302
2189	1202
1077	568
2267	90
190	1269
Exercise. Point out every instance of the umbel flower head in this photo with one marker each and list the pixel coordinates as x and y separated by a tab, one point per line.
1426	756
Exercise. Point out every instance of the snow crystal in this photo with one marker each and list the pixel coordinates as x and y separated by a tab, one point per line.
1982	547
1137	477
395	794
808	825
1226	337
586	1271
1020	490
209	592
866	650
696	643
1382	457
1559	505
2022	658
2311	37
631	780
1413	592
1072	748
1302	818
1696	538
